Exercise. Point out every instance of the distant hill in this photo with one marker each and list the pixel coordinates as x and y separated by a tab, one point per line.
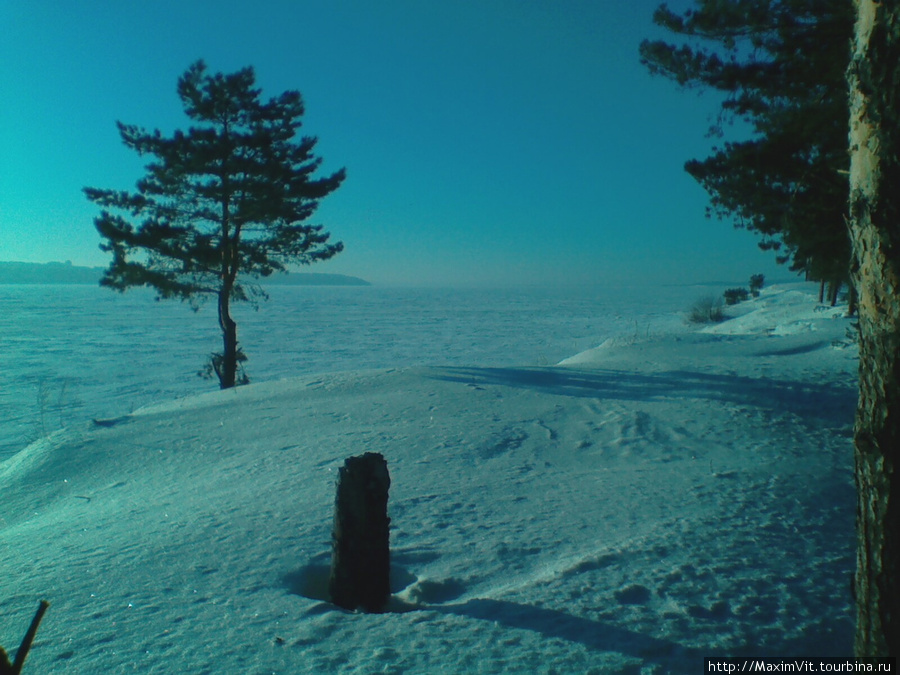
48	273
67	273
313	279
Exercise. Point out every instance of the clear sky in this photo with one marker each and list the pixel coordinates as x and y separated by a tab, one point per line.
496	142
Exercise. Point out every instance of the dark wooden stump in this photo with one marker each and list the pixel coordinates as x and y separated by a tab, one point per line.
361	558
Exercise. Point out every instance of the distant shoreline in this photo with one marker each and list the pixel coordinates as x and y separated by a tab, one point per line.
67	273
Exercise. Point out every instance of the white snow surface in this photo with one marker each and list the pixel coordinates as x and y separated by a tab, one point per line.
633	509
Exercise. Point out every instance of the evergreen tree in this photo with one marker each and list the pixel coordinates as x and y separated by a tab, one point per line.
222	204
875	232
781	67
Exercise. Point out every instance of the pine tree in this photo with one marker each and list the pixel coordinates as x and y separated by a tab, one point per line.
780	65
222	204
875	231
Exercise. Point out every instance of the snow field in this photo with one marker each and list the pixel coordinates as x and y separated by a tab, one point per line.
633	509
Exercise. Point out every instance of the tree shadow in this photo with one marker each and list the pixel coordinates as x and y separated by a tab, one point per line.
595	635
311	582
828	403
669	656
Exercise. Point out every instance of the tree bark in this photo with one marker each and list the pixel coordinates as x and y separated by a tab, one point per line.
875	233
227	371
851	299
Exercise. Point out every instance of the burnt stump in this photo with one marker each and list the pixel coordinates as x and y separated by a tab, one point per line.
360	558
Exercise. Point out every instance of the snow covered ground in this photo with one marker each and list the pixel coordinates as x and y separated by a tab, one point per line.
69	353
635	508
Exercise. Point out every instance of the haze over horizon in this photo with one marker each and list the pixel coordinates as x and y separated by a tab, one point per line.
490	143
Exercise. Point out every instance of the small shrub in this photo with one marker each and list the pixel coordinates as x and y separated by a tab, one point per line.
756	284
707	309
735	295
214	365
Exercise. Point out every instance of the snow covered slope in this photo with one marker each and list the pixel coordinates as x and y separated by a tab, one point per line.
633	509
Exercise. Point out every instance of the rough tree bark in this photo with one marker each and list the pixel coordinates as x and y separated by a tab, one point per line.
874	82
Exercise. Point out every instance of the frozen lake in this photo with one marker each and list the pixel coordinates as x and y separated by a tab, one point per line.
69	353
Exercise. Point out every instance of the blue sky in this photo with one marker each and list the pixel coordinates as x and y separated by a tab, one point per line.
487	142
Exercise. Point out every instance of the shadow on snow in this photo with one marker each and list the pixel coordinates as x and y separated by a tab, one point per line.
826	403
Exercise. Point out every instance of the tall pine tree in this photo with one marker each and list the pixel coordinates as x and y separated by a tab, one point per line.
222	204
780	65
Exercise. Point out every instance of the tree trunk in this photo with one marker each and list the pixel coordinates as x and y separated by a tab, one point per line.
875	234
833	292
227	370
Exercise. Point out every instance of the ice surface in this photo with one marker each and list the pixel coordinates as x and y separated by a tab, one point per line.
658	499
72	353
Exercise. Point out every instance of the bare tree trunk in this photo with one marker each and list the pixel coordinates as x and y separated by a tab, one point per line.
228	364
833	292
227	370
875	234
851	300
